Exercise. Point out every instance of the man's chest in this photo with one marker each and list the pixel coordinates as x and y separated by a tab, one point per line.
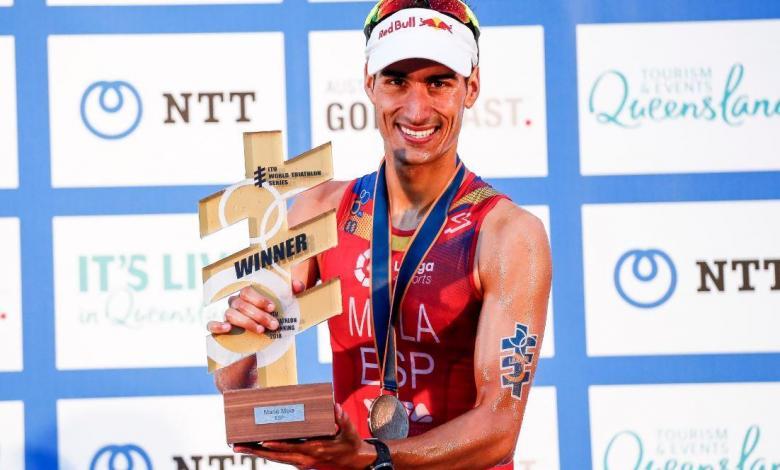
438	304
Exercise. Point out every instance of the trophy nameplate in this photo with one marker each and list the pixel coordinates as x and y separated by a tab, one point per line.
279	408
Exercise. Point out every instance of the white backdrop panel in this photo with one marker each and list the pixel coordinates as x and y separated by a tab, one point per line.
504	135
130	287
672	310
685	426
9	174
679	97
10	296
117	100
12	435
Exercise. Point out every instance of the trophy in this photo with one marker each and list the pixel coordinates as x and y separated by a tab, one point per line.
279	408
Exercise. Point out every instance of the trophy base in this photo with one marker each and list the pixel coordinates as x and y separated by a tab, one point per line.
277	413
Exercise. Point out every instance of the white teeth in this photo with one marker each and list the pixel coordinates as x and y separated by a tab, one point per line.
418	135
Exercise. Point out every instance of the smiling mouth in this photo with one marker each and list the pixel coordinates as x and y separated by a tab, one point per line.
421	134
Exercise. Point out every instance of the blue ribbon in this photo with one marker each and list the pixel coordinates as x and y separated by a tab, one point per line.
385	308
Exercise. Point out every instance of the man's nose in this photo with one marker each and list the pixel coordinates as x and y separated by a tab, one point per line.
417	105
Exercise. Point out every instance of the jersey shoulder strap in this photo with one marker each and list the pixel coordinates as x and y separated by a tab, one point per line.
356	210
475	196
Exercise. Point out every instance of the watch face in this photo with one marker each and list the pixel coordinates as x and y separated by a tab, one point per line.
387	418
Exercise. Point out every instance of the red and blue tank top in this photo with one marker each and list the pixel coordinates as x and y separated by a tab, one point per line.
436	331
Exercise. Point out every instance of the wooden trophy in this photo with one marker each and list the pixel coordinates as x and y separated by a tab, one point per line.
279	408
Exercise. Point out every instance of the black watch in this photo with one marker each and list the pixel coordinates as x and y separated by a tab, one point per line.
383	460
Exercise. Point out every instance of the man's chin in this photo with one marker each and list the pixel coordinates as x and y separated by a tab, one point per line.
413	156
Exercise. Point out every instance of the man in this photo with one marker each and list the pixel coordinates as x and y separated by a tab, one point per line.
471	312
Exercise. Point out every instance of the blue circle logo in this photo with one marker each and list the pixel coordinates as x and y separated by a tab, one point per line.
650	281
111	110
125	457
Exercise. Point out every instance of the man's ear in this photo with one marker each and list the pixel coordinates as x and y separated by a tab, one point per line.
472	88
368	83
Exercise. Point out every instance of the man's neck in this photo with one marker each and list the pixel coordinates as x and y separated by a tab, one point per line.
413	188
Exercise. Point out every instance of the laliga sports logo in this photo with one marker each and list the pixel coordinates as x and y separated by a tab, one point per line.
645	278
124	457
111	110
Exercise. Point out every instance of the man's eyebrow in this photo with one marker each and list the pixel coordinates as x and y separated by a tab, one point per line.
443	76
392	73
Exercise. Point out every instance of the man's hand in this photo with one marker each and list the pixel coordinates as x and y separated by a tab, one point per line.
346	450
251	311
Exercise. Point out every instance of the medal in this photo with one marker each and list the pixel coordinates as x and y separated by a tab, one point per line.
388	418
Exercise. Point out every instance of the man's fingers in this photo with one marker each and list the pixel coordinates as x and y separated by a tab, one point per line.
238	318
252	311
282	457
281	446
218	327
259	316
343	422
257	299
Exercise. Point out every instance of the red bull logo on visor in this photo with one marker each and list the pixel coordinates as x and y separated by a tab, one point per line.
412	22
437	23
398	25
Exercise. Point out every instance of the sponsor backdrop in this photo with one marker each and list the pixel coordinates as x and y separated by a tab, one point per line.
645	136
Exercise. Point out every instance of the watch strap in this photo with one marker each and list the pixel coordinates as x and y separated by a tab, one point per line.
383	460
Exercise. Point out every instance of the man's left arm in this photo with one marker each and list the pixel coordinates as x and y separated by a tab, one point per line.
514	270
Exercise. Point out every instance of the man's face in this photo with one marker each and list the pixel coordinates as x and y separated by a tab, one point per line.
419	108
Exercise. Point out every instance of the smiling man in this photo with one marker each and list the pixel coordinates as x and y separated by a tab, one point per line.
445	281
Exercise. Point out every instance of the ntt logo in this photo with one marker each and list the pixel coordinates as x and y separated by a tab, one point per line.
121	457
111	110
645	278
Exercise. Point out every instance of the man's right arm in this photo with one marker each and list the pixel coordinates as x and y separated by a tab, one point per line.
252	311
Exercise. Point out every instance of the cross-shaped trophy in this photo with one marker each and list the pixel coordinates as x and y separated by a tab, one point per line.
278	408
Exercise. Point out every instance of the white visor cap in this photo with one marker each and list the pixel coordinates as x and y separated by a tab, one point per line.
422	33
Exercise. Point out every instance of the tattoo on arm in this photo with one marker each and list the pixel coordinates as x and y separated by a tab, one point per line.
517	354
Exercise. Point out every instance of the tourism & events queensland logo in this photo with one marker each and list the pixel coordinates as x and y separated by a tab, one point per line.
111	109
667	94
688	448
685	427
160	109
678	97
508	122
121	457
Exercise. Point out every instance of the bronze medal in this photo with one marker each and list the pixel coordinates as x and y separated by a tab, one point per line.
388	419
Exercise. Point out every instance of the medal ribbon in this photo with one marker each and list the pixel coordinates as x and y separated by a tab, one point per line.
385	308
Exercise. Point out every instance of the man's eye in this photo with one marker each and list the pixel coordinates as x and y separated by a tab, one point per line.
396	82
437	84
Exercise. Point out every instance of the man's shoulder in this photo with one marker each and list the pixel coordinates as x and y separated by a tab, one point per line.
317	200
508	216
510	230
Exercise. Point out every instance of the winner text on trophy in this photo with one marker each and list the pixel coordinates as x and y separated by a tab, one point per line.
279	408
